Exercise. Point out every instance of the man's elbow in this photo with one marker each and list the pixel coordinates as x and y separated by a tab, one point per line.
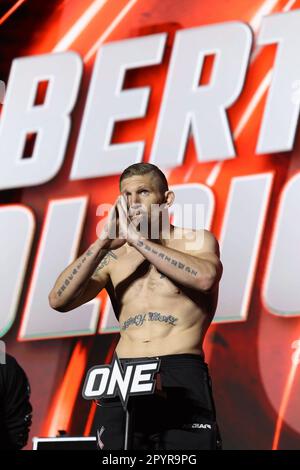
209	282
56	304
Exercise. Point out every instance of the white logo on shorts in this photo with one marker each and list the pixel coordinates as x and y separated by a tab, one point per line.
99	434
201	426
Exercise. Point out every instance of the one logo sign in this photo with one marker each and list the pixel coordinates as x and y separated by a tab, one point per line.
108	380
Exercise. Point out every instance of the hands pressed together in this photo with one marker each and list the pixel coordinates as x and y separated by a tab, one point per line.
119	228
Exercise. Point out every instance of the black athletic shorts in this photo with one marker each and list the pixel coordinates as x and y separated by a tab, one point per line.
180	414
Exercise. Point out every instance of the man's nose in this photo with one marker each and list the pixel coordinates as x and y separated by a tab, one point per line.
135	200
135	207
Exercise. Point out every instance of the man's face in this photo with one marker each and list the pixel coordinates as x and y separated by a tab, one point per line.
140	192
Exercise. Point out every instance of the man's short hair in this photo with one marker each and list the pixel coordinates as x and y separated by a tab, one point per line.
143	169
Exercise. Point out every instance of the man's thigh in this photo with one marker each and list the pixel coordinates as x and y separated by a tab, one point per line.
109	425
197	434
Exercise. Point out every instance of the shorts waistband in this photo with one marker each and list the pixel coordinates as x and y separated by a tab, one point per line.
170	359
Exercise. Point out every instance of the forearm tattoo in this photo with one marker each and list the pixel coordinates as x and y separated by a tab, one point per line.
167	258
83	259
138	320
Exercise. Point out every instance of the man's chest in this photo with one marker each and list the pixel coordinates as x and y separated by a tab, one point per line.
133	275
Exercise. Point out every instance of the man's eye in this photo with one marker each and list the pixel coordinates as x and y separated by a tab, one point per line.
144	191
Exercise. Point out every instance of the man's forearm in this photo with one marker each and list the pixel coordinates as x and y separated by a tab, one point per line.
181	267
74	278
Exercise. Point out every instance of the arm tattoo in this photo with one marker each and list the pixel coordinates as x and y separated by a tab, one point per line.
173	261
83	259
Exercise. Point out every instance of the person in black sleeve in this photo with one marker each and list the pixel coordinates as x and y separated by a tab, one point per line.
15	406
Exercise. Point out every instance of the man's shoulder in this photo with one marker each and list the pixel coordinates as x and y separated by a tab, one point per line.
196	239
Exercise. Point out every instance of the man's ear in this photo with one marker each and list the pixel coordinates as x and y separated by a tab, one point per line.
169	198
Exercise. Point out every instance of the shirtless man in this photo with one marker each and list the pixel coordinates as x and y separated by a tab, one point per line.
164	295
